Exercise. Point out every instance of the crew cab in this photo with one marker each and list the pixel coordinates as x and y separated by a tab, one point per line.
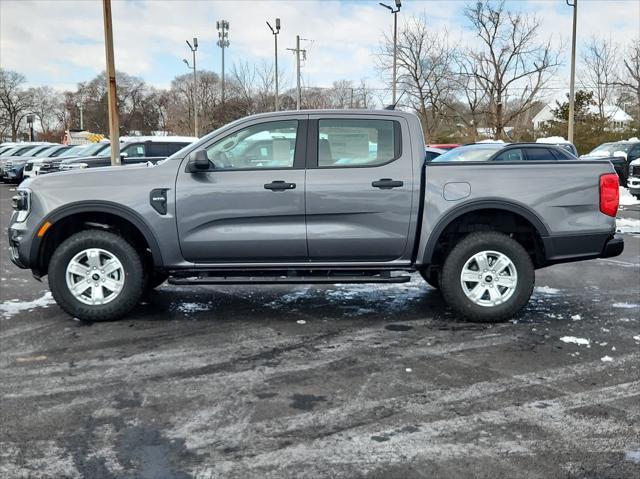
327	197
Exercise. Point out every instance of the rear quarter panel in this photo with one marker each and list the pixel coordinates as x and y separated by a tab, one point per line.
563	196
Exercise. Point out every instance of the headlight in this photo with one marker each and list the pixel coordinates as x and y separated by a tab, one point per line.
21	203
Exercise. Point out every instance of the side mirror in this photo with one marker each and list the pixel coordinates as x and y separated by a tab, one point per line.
200	161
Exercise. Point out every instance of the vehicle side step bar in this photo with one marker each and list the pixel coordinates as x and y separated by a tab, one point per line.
288	279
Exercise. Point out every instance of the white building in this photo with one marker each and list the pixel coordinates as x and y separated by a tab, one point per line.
617	117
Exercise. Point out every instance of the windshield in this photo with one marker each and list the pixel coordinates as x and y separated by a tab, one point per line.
95	148
46	151
469	153
73	151
11	151
610	148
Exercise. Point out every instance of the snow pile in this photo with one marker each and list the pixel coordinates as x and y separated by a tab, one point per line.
626	198
15	306
546	290
553	140
634	139
606	359
627	225
188	308
490	141
574	340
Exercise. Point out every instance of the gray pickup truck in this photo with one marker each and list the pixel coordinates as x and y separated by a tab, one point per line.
314	197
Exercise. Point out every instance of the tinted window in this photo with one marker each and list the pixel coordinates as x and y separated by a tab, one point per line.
345	143
514	154
155	149
539	154
173	147
266	145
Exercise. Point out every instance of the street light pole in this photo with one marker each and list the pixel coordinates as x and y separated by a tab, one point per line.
572	81
223	42
79	105
193	49
275	36
395	44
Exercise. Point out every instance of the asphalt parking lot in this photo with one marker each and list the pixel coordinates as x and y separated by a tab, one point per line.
336	381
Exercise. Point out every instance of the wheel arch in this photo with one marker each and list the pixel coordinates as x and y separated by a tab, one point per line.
83	212
477	207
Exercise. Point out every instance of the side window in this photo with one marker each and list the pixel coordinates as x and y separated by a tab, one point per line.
265	145
155	149
539	154
514	154
171	148
134	151
345	143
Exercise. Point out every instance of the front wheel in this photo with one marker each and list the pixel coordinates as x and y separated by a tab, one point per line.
96	275
487	277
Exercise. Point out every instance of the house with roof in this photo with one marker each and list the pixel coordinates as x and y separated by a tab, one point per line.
617	118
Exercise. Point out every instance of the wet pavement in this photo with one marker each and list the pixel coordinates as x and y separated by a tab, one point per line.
330	381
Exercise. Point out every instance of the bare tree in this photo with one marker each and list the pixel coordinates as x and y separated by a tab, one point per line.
512	66
599	73
424	61
46	104
629	77
15	102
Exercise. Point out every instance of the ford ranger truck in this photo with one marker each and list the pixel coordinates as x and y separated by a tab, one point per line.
317	196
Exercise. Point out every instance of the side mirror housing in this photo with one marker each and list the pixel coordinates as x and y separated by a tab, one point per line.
200	161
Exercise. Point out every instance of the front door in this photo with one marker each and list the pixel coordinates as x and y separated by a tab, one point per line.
359	190
249	205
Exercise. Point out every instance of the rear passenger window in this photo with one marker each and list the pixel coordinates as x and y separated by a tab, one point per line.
539	154
345	143
510	155
173	147
134	151
155	149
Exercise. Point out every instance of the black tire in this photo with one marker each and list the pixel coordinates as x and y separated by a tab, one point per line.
128	297
462	252
432	277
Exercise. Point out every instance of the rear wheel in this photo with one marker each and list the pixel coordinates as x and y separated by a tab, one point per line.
96	275
487	277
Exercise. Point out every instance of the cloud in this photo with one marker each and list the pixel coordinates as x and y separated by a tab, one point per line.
60	43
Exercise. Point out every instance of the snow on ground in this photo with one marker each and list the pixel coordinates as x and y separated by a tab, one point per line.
15	306
574	340
627	225
187	308
626	198
546	290
625	305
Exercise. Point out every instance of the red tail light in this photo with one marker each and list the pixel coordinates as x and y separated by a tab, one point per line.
609	194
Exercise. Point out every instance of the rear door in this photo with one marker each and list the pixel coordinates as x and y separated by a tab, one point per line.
249	206
359	188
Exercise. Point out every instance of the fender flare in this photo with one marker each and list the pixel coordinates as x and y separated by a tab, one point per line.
484	204
115	209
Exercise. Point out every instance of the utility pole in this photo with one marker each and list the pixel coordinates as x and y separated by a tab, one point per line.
297	51
79	105
572	81
395	44
275	36
193	49
223	42
114	123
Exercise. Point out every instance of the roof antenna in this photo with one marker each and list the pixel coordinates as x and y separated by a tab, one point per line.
392	106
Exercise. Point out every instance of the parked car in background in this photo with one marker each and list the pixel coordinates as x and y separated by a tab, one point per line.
15	168
430	153
500	151
19	151
133	150
443	146
561	142
316	202
620	153
50	165
633	182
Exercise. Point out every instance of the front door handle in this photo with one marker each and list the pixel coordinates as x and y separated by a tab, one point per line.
387	183
279	185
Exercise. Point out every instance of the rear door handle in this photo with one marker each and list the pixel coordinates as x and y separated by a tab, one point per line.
279	186
387	183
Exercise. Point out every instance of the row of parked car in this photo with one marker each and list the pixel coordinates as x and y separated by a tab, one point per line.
24	160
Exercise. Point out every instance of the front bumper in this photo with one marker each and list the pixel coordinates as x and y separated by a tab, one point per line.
633	185
19	247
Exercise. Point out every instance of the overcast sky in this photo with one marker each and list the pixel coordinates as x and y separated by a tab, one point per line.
60	43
